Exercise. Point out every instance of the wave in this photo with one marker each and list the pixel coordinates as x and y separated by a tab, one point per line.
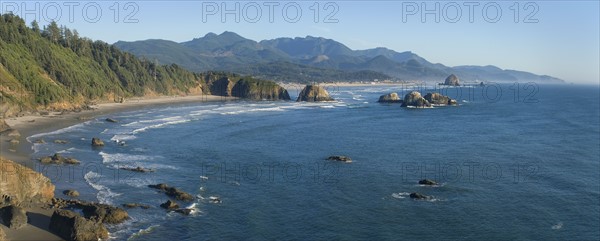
76	127
400	195
245	110
557	226
159	125
121	160
143	231
104	195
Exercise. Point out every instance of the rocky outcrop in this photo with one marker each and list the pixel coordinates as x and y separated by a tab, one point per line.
96	142
259	90
173	192
169	205
439	99
136	205
452	80
427	182
71	226
390	98
313	93
414	99
105	213
13	217
59	159
419	196
137	169
221	87
111	120
71	193
340	159
21	186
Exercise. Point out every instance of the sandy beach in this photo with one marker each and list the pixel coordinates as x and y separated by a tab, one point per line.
39	219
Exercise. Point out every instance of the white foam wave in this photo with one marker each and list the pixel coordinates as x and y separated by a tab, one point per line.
60	131
159	125
104	195
121	160
252	110
557	226
400	195
143	231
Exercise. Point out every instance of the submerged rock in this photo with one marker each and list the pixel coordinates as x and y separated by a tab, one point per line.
427	182
13	217
184	211
111	120
452	80
137	169
97	142
340	159
313	93
173	192
169	205
390	98
71	226
136	205
13	133
415	99
419	196
60	142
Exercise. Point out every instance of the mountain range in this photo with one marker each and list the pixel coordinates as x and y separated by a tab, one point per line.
310	59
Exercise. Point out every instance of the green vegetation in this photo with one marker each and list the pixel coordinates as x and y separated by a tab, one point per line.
55	69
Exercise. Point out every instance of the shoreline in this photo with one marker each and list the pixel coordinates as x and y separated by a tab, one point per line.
37	227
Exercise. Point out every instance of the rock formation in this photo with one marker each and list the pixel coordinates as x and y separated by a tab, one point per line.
452	80
136	205
71	226
169	205
71	193
13	217
3	126
427	182
173	192
137	169
340	159
415	99
21	186
59	159
438	99
2	235
97	142
419	196
259	90
105	213
221	87
314	93
390	98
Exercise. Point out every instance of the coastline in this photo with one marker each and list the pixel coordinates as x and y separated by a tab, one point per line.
29	125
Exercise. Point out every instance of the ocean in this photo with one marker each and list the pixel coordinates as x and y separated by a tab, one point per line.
513	162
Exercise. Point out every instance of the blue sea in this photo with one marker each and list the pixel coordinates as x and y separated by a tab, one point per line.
513	162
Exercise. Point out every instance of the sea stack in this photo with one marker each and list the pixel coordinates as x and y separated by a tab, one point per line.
313	93
390	98
452	80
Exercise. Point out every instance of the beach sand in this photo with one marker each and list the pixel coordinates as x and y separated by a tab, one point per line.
39	219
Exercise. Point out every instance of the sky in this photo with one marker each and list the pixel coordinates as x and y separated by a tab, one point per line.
557	38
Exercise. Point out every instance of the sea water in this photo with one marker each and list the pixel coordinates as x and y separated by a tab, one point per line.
513	162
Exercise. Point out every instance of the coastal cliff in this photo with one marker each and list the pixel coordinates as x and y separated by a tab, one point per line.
22	186
259	90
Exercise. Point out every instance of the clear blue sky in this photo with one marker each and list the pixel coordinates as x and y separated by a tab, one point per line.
558	38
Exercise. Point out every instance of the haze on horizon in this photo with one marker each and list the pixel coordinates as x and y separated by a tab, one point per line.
556	38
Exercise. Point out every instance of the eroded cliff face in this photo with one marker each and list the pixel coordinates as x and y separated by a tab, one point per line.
255	90
22	186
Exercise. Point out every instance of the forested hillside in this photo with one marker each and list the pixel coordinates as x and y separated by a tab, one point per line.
53	68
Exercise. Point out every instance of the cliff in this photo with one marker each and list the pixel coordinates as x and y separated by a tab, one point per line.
259	90
22	186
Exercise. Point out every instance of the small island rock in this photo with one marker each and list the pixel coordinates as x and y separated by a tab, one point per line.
452	80
390	98
415	99
97	142
314	93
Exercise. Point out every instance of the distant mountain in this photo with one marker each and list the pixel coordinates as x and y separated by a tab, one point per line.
310	59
